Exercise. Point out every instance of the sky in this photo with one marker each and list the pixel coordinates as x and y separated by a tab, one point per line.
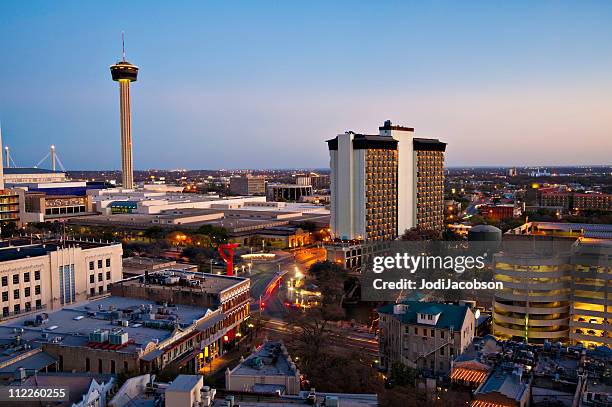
258	84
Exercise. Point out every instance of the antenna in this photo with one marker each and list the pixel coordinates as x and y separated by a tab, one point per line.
123	44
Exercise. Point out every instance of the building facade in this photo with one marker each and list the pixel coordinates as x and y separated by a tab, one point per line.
54	275
383	185
565	297
288	192
248	185
423	335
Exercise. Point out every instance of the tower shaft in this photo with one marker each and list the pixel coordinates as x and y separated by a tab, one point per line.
127	169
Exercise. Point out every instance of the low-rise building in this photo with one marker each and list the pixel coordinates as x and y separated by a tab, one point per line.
267	370
131	335
20	175
288	192
422	335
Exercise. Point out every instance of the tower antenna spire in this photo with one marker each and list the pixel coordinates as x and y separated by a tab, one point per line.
123	44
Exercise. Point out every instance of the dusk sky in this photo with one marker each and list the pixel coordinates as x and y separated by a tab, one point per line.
262	84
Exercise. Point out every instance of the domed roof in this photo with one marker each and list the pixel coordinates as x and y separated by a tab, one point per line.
485	228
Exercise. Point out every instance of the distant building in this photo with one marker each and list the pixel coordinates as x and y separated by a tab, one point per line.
571	201
267	370
248	185
499	212
54	274
17	175
40	207
423	335
12	205
288	192
592	202
319	181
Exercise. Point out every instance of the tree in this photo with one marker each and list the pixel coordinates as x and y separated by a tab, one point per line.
216	233
154	233
9	229
331	280
415	234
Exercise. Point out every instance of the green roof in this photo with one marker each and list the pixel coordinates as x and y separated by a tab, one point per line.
451	315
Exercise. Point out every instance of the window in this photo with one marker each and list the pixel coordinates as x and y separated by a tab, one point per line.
26	277
17	308
4	281
433	333
442	334
4	296
38	304
99	276
112	367
99	365
100	289
37	275
100	263
125	366
416	331
15	278
91	265
108	275
107	262
92	291
28	306
441	351
87	365
5	311
16	294
26	292
37	290
92	279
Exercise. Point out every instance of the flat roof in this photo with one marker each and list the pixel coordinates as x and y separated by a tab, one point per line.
75	322
268	360
18	252
184	382
209	283
29	170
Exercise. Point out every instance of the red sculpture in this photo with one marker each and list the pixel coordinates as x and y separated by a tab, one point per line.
226	251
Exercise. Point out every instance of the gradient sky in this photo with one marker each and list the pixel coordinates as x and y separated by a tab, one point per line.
258	84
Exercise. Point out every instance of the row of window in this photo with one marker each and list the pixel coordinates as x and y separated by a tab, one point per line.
113	369
92	277
17	293
16	278
100	262
17	308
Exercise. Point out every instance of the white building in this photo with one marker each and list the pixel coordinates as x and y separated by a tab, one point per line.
383	184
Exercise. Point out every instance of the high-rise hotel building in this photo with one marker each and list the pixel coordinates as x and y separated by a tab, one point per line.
382	185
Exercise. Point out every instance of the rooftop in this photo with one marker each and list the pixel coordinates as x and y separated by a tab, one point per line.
25	170
8	253
452	316
184	382
72	325
178	277
270	359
